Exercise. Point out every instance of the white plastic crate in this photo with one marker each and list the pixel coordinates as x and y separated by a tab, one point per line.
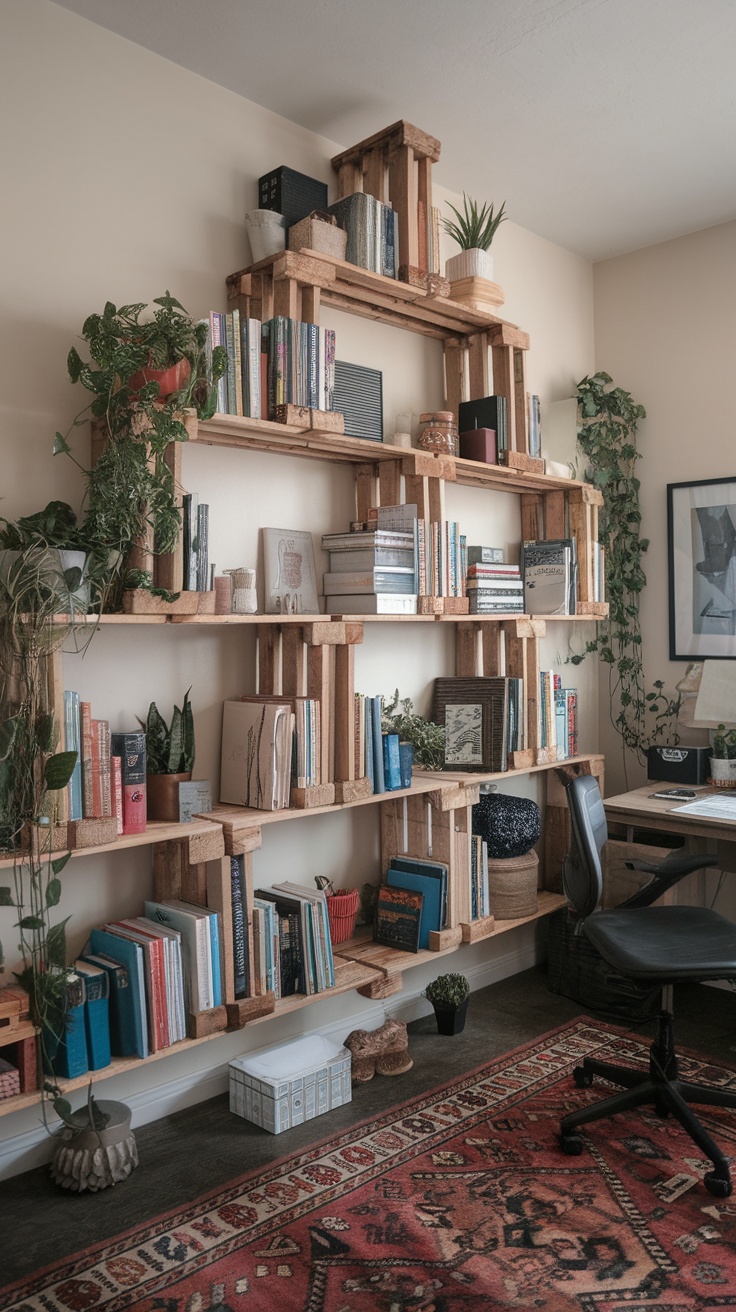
288	1083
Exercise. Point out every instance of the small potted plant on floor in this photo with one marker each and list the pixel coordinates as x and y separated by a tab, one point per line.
449	996
96	1146
723	758
169	759
471	272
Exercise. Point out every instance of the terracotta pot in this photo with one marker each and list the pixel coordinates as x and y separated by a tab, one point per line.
169	380
162	795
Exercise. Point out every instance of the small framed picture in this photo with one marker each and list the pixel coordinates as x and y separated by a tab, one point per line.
701	521
290	577
464	735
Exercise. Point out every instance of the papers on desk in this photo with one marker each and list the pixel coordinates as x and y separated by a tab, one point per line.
717	808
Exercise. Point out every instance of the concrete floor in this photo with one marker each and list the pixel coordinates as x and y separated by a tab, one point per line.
196	1150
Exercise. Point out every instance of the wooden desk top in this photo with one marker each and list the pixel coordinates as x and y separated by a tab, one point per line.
640	809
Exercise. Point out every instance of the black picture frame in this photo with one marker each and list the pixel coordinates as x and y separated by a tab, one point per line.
701	557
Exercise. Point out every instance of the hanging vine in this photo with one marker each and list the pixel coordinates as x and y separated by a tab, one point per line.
608	421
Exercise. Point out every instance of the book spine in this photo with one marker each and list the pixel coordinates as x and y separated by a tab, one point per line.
216	337
131	748
96	770
239	923
117	791
85	720
203	534
238	363
232	403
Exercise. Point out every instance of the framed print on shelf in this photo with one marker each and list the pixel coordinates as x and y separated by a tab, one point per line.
701	530
290	576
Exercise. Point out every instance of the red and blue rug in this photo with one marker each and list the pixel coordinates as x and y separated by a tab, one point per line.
457	1200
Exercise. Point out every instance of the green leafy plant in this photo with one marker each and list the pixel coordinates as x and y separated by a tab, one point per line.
427	739
448	990
170	749
474	229
723	747
130	490
608	420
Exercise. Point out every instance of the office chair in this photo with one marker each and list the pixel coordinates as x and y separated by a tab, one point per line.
665	944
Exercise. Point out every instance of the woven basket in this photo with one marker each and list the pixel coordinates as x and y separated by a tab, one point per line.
513	886
319	232
342	908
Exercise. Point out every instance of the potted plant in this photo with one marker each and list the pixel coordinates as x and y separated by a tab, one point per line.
143	374
474	230
449	996
59	549
96	1146
723	758
169	758
426	739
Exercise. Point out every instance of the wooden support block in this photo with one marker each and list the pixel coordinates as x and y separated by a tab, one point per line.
269	641
310	304
546	755
206	847
138	601
430	606
442	939
389	482
437	285
478	376
239	841
327	421
293	673
429	464
598	609
522	760
455	388
286	297
14	1007
93	832
43	840
333	633
194	883
375	181
168	569
59	800
450	796
168	864
491	645
555	525
455	605
414	276
352	790
466	650
507	334
520	460
316	795
349	179
202	1023
365	483
242	1010
206	602
383	986
319	687
306	270
295	416
477	929
531	516
403	184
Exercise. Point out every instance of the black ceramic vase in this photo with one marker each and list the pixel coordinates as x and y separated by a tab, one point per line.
451	1020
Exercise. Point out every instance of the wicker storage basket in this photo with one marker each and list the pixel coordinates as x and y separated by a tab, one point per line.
342	908
577	970
513	886
319	232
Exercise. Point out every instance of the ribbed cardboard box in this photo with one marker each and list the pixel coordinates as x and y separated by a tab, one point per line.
289	1083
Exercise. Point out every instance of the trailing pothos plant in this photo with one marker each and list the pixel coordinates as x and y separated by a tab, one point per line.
608	421
130	489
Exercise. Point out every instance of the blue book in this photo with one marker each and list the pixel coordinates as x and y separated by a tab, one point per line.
368	759
391	761
434	869
134	1012
431	918
96	1014
119	984
70	1058
216	965
379	780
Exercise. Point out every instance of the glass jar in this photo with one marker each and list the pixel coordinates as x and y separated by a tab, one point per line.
439	432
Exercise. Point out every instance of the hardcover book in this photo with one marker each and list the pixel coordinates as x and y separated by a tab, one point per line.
120	1004
96	1014
431	890
134	1008
131	748
398	918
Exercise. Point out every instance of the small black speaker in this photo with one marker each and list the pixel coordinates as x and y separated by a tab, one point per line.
678	765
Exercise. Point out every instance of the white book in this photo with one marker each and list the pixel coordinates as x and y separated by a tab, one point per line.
196	949
377	603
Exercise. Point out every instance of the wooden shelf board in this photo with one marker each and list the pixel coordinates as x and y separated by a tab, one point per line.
547	903
479	777
348	975
155	832
248	818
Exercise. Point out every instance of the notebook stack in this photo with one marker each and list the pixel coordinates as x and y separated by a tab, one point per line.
372	572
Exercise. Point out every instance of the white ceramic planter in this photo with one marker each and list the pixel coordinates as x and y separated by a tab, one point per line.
266	233
474	263
723	772
52	564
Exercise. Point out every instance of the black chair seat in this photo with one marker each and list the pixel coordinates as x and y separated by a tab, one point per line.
665	943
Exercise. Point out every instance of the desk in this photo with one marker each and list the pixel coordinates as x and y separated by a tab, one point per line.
639	810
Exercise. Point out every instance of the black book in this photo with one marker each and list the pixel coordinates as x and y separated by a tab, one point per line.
293	973
240	956
485	412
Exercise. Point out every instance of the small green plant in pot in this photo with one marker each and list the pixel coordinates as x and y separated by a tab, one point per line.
723	757
169	758
449	995
473	229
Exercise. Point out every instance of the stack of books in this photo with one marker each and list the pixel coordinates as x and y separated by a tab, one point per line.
377	754
486	412
292	947
492	586
371	572
199	931
549	570
300	364
269	745
195	542
373	232
240	390
423	911
100	785
558	728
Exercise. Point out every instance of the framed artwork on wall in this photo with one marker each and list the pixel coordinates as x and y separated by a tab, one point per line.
701	530
290	577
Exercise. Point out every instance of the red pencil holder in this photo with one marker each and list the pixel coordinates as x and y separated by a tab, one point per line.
342	908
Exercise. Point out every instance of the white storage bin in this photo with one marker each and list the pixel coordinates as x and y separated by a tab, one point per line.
288	1083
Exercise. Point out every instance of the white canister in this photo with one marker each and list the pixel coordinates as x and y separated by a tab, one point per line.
244	600
266	233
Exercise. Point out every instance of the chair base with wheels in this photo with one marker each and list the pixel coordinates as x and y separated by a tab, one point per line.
654	944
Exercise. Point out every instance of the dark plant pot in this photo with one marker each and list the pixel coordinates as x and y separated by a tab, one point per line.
162	795
169	380
451	1020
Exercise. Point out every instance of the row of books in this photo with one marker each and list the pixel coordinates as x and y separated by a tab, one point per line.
129	993
292	947
494	588
485	720
411	904
558	715
373	232
378	755
109	777
281	361
240	390
550	571
195	541
269	745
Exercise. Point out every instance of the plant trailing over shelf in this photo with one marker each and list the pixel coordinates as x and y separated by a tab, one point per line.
427	739
474	229
169	749
130	489
608	420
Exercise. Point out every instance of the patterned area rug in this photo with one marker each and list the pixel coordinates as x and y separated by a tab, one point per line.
457	1200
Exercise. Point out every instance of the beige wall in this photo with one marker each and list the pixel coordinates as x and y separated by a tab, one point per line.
665	329
124	175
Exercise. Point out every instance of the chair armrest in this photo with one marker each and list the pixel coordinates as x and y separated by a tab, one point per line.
666	874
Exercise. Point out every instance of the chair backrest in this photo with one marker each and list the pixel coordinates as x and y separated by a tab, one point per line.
582	875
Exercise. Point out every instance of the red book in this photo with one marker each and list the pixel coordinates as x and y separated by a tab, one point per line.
131	748
103	739
116	788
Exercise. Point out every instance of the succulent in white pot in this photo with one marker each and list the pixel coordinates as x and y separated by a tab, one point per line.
473	230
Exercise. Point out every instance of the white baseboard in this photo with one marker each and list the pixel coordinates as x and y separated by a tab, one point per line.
34	1148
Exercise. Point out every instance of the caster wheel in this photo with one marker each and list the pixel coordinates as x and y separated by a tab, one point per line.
571	1143
718	1185
583	1079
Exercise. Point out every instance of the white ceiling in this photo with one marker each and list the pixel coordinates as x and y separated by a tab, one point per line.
606	125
